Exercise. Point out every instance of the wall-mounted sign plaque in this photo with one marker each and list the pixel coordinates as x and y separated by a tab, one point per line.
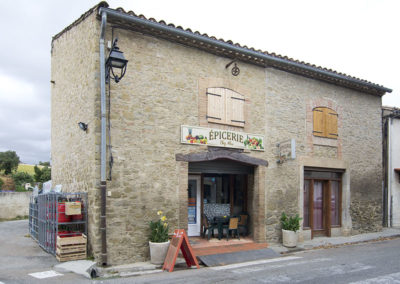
221	138
286	150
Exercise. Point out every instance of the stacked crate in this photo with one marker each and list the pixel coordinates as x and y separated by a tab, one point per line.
71	248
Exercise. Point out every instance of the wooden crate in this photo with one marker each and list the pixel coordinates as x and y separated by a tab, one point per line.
71	248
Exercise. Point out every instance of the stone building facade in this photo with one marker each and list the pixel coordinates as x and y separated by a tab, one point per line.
175	79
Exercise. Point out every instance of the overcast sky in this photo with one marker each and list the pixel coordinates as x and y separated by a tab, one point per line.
359	38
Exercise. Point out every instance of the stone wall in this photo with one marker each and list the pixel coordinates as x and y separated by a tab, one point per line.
75	98
158	94
290	99
14	204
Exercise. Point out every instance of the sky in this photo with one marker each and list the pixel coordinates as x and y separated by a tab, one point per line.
359	38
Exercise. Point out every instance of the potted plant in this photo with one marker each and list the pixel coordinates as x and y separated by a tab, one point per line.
290	229
158	242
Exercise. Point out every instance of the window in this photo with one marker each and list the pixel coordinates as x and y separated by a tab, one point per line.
225	106
325	122
216	189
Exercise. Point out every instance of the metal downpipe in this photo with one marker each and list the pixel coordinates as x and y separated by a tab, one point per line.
103	184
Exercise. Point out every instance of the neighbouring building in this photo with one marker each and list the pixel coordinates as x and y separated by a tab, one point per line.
391	166
199	125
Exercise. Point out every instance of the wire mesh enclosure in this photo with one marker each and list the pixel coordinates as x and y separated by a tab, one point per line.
50	215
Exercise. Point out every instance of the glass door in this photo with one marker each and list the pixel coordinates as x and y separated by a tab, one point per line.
194	217
319	225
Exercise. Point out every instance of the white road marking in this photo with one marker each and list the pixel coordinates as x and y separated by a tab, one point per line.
390	278
260	268
276	279
344	269
257	262
45	274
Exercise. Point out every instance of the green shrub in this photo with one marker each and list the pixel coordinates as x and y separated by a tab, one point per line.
1	183
20	178
20	188
159	229
290	223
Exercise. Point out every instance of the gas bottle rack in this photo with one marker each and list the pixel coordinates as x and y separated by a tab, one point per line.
47	218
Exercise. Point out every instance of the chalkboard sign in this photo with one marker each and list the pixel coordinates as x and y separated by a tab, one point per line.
179	241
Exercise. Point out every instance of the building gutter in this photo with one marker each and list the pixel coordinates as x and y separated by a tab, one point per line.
103	183
223	45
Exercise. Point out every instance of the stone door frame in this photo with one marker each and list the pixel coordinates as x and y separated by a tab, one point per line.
256	186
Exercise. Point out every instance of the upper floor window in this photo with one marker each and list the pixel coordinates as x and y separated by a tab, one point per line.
325	122
225	106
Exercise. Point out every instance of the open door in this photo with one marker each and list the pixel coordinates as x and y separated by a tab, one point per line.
194	203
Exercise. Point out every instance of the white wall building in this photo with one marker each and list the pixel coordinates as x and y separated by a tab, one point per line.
391	146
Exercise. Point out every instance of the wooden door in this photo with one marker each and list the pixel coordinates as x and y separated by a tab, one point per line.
320	208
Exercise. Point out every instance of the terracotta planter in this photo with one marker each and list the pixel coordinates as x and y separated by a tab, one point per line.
158	252
289	238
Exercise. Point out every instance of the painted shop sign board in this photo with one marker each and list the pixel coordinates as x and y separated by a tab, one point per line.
221	138
179	242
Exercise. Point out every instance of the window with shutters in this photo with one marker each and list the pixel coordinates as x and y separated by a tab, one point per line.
325	122
225	106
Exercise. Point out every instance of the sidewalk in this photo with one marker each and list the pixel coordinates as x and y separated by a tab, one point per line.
325	242
142	268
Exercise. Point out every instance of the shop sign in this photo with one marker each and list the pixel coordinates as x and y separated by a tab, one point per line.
286	150
221	138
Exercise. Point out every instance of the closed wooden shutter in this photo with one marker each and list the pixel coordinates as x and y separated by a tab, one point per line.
235	108
318	122
325	122
331	123
216	105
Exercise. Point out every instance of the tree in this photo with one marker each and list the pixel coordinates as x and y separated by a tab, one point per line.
42	175
9	161
44	163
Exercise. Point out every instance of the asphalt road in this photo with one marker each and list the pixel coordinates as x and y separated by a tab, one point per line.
374	262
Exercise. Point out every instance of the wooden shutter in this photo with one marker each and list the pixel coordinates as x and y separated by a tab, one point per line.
216	105
331	118
235	108
318	122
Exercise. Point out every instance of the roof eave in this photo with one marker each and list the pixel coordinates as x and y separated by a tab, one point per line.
240	53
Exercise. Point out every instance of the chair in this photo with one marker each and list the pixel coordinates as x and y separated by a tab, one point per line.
207	226
232	227
244	223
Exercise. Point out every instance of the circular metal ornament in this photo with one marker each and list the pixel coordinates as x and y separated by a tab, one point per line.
235	70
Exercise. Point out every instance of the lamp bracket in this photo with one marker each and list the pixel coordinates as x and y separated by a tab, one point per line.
230	63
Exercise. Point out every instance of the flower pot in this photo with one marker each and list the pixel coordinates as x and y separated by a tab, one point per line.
158	252
289	238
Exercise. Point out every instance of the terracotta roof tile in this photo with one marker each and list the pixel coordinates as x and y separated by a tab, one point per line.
368	87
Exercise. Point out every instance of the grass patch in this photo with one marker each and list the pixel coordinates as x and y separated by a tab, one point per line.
27	168
15	219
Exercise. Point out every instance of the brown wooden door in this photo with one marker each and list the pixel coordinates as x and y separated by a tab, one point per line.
320	208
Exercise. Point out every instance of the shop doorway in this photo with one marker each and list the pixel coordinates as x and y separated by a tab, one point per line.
322	202
215	195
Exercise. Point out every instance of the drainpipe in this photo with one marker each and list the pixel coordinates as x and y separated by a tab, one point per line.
389	198
103	184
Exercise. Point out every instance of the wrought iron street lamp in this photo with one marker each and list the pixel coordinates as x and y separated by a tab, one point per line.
116	60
